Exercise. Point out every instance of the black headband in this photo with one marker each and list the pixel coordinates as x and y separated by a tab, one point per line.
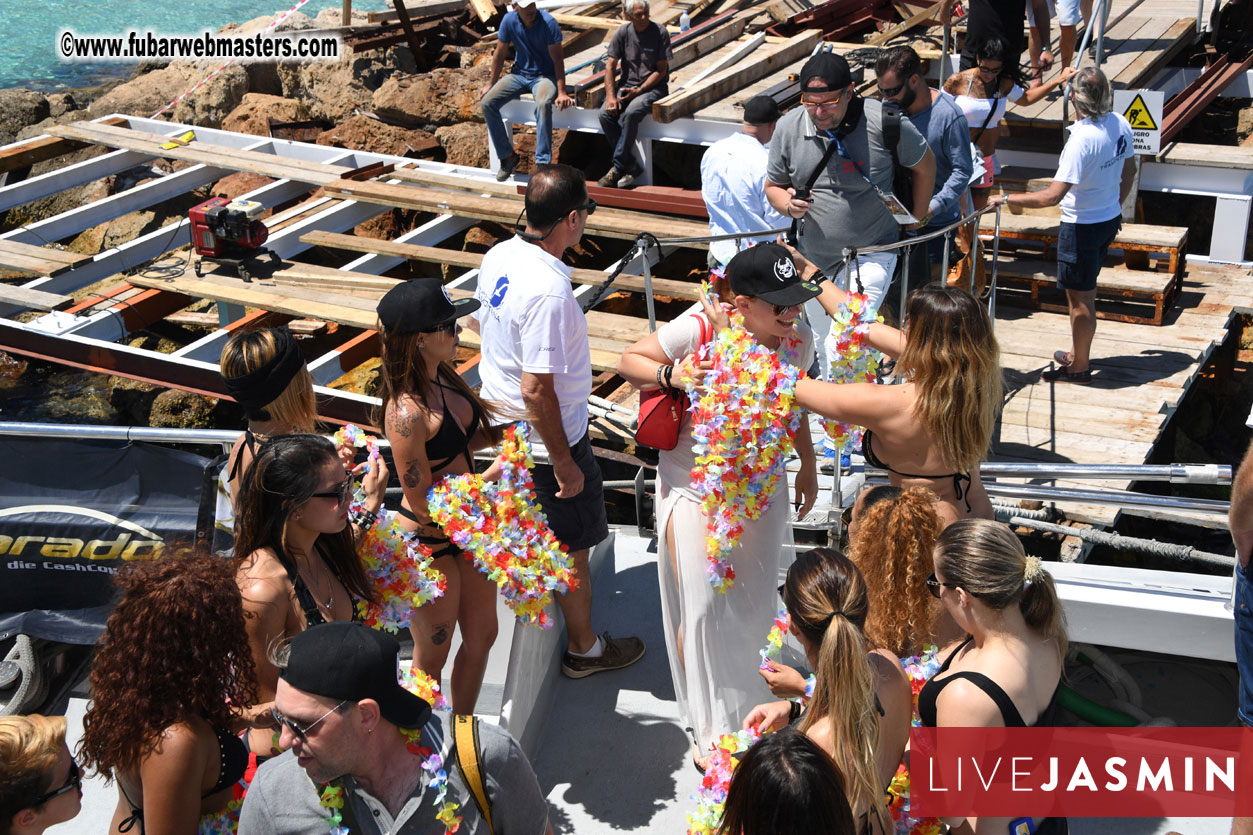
262	386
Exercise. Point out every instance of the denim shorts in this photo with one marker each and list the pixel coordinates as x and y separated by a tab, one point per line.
1081	251
1243	615
579	522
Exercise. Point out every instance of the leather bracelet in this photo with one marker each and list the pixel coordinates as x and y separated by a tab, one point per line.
364	519
669	376
660	384
793	712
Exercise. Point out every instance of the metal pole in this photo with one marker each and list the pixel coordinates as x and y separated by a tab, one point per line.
1102	15
943	262
996	254
648	288
906	253
948	43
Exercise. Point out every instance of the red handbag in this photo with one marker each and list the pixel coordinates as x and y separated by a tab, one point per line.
662	410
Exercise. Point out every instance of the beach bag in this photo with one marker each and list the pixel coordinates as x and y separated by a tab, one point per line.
662	410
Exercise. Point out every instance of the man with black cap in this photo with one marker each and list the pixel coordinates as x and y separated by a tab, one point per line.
733	182
342	711
537	361
831	171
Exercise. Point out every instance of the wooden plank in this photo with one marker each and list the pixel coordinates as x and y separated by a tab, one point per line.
1143	234
929	13
1217	156
614	224
235	159
473	260
609	24
40	260
728	81
1150	60
32	299
41	148
485	9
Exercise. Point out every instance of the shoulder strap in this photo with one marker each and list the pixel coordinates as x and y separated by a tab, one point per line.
466	743
987	118
822	165
706	328
1009	711
890	123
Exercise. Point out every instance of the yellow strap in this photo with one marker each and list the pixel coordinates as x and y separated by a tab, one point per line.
466	739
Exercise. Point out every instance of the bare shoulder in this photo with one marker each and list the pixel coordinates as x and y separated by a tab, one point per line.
892	684
405	420
262	579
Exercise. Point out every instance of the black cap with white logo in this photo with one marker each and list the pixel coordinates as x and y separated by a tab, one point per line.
768	272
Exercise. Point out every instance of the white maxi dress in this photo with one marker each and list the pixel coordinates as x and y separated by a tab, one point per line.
717	682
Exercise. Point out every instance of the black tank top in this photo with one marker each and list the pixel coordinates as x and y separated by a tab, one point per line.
930	694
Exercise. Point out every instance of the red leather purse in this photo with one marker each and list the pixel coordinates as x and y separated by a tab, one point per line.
662	410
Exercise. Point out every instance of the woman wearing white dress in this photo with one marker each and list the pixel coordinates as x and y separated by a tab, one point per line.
713	638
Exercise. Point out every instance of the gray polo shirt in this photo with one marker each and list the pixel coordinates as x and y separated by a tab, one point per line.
845	210
282	800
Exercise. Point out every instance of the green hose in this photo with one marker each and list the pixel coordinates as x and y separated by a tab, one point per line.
1090	711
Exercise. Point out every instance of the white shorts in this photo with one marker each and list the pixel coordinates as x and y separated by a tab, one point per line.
875	271
1052	10
1068	13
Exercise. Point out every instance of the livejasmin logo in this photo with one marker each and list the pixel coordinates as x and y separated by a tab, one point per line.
1081	772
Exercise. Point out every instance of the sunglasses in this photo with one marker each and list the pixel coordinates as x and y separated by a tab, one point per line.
986	70
72	782
823	105
301	732
934	585
447	327
342	495
888	92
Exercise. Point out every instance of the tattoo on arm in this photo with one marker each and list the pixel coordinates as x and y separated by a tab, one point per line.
412	476
402	422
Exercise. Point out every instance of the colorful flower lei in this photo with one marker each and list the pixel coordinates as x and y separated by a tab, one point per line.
225	822
898	808
711	797
774	647
398	566
743	425
919	669
855	361
424	687
502	527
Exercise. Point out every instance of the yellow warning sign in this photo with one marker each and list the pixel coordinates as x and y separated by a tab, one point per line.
1138	116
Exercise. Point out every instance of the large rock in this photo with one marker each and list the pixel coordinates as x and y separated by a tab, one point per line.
18	109
334	90
132	399
181	410
361	133
257	109
150	92
440	97
464	144
239	183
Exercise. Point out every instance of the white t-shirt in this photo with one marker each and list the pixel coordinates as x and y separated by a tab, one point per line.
1092	163
530	322
682	337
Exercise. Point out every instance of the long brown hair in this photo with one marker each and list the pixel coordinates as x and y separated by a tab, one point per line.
892	546
402	371
826	599
952	356
283	476
987	560
174	648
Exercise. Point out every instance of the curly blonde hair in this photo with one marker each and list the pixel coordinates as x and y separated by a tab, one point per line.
892	546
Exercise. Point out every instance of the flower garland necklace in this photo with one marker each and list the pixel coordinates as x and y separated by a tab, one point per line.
500	525
711	797
743	424
398	566
774	648
424	687
855	360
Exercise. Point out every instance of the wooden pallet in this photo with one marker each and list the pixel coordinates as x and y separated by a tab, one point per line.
1169	242
1139	296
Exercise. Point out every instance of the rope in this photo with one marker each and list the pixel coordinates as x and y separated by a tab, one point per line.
30	687
1129	543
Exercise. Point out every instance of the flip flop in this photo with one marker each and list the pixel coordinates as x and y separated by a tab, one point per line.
1063	358
1065	375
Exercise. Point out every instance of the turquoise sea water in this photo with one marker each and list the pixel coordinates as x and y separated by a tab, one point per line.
28	55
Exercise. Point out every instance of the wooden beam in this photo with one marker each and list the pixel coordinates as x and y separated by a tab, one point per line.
929	13
611	223
685	102
43	148
473	260
39	260
485	9
33	299
730	59
581	21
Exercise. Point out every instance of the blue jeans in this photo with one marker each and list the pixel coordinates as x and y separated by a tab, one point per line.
506	90
1243	615
620	128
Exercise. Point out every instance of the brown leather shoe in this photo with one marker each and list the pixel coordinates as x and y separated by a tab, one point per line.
619	653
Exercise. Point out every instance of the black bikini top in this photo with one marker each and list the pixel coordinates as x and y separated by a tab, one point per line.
451	441
961	481
930	694
233	756
250	444
308	603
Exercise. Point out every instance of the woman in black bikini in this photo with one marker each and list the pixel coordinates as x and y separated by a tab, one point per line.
170	676
434	422
860	710
934	429
1008	672
295	553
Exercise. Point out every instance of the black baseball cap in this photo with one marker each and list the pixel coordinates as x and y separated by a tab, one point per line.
768	272
761	110
350	661
421	304
831	69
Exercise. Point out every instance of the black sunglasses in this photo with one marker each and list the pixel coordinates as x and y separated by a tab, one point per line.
589	207
342	495
934	584
447	327
72	782
888	92
302	731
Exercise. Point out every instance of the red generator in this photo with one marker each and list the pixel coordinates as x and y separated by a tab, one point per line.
228	232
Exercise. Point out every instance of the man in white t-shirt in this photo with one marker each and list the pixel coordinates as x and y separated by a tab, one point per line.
1093	178
537	361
